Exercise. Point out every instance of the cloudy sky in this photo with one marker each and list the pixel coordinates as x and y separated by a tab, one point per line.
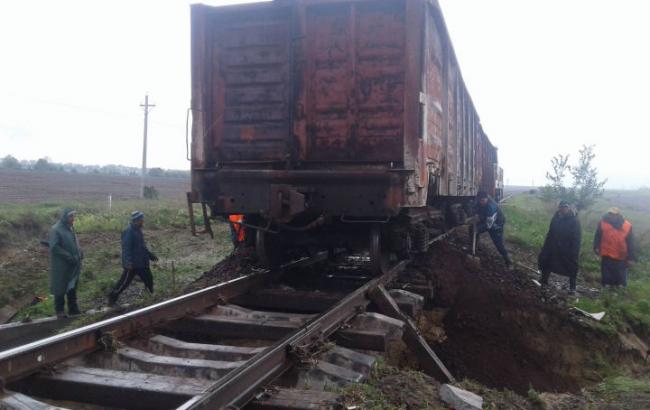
547	76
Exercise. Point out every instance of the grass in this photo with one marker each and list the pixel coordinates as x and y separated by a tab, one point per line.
528	219
390	388
615	387
23	265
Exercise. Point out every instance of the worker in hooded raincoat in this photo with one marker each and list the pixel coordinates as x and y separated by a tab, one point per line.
561	251
65	263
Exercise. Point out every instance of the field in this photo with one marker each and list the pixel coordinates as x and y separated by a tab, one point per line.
23	261
20	187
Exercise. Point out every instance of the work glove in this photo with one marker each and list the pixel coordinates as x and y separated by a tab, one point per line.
489	221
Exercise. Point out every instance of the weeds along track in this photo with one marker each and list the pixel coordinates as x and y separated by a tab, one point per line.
265	340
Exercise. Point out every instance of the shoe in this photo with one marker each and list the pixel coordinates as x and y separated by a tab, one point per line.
61	315
74	312
572	292
112	302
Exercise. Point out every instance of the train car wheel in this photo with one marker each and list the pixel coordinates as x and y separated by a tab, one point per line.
379	251
269	249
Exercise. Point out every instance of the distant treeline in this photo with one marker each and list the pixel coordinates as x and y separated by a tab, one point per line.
45	165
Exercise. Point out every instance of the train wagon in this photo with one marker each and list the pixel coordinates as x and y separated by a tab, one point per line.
334	123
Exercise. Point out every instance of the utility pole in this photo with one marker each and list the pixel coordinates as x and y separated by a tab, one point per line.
146	107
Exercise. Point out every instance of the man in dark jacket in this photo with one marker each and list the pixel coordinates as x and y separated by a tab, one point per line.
562	247
492	221
614	243
65	263
135	258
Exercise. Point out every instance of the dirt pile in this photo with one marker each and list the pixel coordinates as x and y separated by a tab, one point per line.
242	261
503	331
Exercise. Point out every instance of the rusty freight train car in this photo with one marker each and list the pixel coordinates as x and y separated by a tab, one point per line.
334	123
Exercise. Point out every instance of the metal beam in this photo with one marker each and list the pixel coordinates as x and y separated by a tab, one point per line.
429	361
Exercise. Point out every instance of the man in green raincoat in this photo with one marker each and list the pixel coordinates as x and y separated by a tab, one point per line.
65	264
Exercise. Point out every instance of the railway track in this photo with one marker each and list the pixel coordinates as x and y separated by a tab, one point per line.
262	341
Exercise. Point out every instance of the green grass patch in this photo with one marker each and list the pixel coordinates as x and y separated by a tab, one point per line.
621	386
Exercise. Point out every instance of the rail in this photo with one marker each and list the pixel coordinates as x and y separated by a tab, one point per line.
23	360
239	386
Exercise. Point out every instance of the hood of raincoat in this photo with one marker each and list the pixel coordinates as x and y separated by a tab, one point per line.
65	213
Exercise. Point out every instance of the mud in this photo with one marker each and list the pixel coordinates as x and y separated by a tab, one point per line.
242	261
503	331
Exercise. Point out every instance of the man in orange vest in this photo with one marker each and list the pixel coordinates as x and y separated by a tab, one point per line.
614	243
237	232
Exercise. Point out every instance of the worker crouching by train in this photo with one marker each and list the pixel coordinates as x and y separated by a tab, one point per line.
561	249
237	230
65	263
135	258
492	221
614	243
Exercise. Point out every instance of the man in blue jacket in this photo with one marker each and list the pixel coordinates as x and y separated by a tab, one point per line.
492	221
135	258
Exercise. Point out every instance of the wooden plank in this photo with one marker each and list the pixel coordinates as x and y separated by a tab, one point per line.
190	211
18	333
16	401
168	346
350	359
293	399
212	327
293	301
372	339
130	359
127	390
429	361
234	310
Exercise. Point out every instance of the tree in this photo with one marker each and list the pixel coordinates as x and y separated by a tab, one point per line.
156	172
586	187
10	162
43	165
555	189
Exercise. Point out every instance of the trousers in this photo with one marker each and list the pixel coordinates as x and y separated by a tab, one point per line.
572	279
127	278
613	272
59	302
496	234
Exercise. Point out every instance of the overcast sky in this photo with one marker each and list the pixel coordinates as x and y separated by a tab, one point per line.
546	77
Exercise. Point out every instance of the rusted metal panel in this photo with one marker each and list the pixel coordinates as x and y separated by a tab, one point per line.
334	85
355	80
